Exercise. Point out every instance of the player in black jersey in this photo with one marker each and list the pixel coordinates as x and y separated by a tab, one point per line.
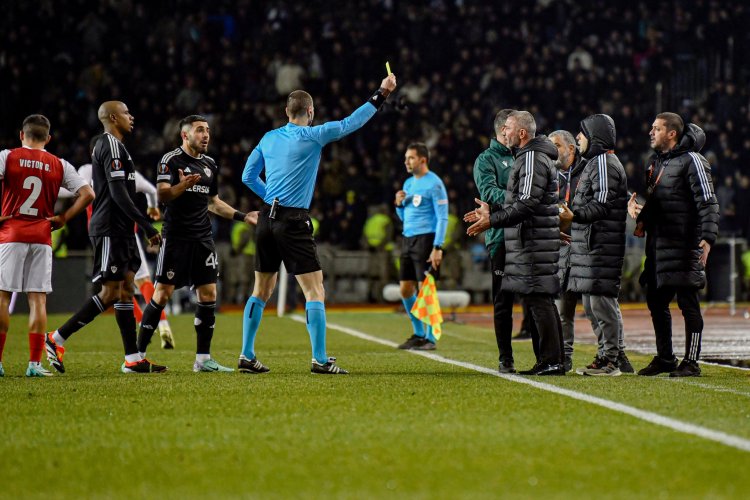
186	182
111	231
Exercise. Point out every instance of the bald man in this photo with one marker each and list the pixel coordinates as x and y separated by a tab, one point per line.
116	257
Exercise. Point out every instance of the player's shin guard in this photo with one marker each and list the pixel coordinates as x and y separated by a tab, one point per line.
316	327
85	315
250	323
36	347
415	323
126	322
205	319
149	323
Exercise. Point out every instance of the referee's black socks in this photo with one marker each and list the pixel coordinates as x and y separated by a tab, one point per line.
205	318
149	323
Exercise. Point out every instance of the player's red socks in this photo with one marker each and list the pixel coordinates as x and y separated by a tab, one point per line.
137	310
147	290
36	346
3	336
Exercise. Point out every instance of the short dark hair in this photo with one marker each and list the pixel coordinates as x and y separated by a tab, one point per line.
525	122
36	127
673	121
189	120
421	148
500	118
298	102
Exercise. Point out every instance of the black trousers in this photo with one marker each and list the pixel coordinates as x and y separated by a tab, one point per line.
658	300
502	303
547	319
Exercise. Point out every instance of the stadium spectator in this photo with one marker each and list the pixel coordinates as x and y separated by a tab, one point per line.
598	247
491	171
187	182
290	157
680	218
116	257
532	235
422	205
30	180
569	167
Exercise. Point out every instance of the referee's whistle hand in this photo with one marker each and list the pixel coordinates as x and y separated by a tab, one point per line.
252	217
389	82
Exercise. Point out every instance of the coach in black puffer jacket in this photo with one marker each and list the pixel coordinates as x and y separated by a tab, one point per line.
531	219
599	212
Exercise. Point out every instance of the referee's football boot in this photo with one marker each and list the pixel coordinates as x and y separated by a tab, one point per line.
210	365
687	368
424	345
251	366
37	370
328	368
55	353
657	366
411	342
142	366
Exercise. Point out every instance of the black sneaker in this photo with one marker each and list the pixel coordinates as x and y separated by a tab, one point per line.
568	363
328	368
657	366
424	345
251	366
623	363
687	368
545	369
506	366
411	342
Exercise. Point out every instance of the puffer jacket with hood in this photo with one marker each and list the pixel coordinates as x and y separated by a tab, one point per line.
599	211
681	212
531	218
569	178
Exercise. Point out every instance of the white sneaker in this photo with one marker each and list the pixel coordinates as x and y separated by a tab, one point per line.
37	370
209	366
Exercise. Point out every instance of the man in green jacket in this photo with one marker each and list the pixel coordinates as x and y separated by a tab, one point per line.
491	171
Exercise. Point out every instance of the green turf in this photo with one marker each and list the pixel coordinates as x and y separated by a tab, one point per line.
400	426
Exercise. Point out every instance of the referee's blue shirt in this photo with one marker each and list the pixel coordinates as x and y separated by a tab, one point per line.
291	157
425	208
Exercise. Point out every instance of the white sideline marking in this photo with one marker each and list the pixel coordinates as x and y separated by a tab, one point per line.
709	387
647	416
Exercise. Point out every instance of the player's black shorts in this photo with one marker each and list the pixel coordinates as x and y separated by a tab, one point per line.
187	263
113	257
288	238
415	251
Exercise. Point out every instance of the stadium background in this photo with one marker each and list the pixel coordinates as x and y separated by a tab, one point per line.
457	64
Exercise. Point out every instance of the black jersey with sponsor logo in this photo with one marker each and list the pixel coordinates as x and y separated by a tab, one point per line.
186	217
110	162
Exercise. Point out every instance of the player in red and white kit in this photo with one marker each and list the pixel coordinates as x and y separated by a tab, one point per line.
31	179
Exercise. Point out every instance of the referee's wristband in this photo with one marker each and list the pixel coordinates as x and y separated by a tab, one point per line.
239	216
379	97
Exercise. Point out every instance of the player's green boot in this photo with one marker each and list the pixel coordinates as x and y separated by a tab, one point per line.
210	366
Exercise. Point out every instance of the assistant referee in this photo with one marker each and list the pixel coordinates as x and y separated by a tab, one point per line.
290	156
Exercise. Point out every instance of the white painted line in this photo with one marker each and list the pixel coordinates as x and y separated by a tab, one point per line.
710	387
730	440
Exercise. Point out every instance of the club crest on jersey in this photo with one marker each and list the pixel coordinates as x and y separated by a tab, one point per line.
116	164
417	200
208	172
170	274
113	269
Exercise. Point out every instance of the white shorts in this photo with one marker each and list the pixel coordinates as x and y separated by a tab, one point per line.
25	267
143	271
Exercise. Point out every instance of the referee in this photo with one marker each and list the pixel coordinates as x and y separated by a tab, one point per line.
290	156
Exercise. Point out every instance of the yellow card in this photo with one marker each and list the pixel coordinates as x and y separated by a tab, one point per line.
388	67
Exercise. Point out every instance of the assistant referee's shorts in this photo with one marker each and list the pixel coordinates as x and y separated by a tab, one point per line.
415	250
288	238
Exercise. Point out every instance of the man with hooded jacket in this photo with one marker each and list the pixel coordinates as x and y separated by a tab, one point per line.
532	234
598	250
681	222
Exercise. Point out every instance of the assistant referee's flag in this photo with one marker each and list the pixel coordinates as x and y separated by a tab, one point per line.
427	307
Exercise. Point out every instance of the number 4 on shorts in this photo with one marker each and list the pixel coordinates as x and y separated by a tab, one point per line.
212	261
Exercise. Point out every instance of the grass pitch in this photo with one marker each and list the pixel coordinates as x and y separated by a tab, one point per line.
399	426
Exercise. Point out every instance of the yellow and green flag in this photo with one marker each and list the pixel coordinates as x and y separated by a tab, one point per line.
427	307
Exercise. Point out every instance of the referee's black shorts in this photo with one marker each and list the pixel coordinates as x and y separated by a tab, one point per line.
415	250
114	257
287	238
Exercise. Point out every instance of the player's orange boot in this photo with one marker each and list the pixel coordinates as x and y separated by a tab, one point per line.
55	353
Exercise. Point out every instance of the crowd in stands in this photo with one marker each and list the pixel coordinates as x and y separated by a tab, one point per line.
457	63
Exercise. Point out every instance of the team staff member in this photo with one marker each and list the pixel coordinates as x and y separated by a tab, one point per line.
569	168
111	230
30	179
491	171
532	236
186	182
422	205
681	221
598	249
290	156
